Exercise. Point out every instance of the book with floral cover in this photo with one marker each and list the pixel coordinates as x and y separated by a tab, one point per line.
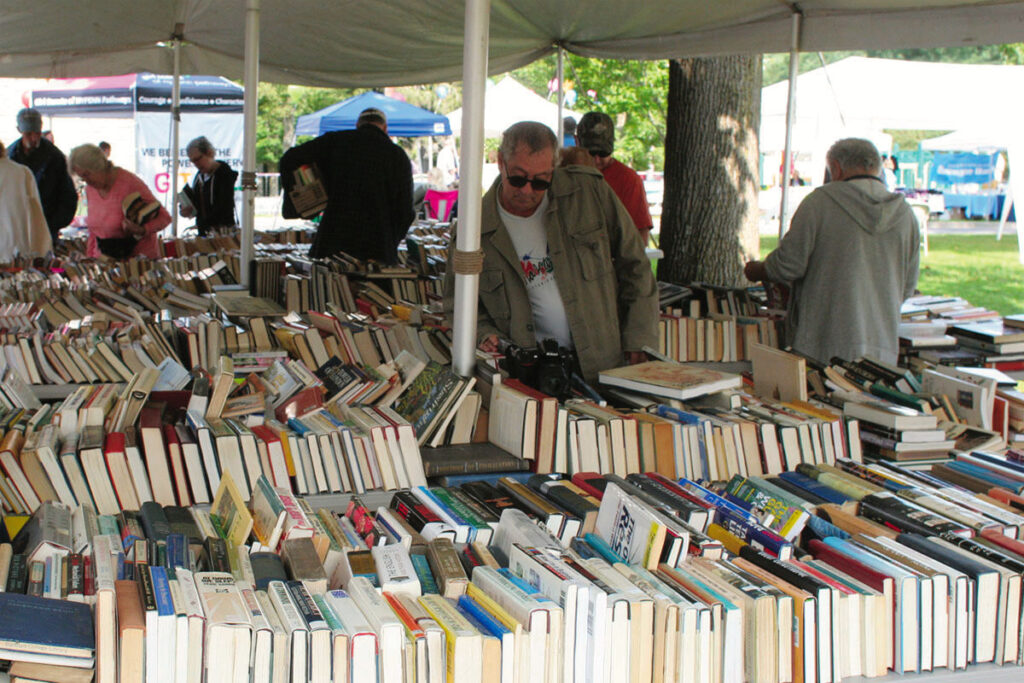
672	380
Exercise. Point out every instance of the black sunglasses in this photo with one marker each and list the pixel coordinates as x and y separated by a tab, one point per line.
599	153
538	184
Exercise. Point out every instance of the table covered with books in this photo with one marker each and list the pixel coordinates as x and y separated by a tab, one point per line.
289	483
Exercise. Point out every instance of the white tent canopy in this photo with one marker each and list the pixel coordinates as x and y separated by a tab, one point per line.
368	43
987	139
508	102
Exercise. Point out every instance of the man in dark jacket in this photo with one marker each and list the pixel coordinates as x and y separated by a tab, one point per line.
368	180
50	168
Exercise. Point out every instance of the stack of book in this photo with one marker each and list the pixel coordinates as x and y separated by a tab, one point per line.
826	573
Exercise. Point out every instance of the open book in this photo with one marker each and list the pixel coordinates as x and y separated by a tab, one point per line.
138	210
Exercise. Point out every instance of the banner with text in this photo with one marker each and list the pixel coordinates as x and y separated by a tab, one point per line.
153	151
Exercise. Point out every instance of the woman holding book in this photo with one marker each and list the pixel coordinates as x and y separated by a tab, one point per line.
117	230
211	198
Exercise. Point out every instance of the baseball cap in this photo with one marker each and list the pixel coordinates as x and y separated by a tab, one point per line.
596	132
30	121
371	115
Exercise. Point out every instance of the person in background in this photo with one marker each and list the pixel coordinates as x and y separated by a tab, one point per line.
448	164
596	134
50	168
105	148
212	194
23	229
575	156
562	260
851	256
106	188
368	180
569	131
48	135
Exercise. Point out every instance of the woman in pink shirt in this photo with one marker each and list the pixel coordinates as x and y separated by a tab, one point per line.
107	186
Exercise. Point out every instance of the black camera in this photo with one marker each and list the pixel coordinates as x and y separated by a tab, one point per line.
547	368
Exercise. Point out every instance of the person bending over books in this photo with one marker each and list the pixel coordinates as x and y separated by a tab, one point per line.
562	260
368	182
851	254
123	217
211	198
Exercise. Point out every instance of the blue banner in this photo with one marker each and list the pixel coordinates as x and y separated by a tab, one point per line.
959	168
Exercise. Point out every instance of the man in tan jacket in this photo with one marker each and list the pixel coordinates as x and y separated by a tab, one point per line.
23	229
562	260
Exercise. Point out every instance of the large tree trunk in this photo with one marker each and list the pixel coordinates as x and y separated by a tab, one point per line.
709	224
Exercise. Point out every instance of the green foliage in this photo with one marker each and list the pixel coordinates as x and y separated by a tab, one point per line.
632	92
978	268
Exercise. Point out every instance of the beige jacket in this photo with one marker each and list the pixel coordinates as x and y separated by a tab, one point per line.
604	276
23	227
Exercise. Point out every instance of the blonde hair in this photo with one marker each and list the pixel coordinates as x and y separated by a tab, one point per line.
89	157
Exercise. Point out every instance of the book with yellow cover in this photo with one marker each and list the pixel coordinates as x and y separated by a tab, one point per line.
229	512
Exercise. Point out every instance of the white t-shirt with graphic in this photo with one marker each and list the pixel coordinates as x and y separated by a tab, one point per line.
531	243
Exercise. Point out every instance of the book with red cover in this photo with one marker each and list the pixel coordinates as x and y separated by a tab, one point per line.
304	401
120	475
852	566
177	464
1007	496
547	419
591	482
152	438
998	538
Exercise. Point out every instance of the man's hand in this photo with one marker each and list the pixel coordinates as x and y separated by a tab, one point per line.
186	211
634	357
755	271
489	344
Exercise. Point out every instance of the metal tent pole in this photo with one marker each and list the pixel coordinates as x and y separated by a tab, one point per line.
249	107
175	128
787	161
474	81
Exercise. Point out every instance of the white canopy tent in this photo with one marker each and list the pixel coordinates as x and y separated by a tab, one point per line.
362	43
508	102
862	96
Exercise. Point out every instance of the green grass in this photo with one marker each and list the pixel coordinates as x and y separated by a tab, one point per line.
975	267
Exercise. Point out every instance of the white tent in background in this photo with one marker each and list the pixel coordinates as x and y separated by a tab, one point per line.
987	139
862	96
508	102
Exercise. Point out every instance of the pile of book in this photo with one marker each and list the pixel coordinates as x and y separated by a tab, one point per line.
717	324
826	573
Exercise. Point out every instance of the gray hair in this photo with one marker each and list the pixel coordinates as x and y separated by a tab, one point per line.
201	144
536	136
90	158
855	154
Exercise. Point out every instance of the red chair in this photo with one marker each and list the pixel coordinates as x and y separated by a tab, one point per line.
439	203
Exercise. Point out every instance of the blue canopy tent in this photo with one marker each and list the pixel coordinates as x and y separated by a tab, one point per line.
404	119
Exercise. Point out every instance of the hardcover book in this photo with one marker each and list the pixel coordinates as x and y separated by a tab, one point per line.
672	380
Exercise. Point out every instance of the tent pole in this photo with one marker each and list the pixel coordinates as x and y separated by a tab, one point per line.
787	161
474	81
175	130
559	131
249	107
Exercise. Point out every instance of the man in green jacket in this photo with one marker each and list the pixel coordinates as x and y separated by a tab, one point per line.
562	260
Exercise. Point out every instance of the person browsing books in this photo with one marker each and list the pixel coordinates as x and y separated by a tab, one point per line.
368	181
851	256
562	259
596	134
25	232
211	198
50	168
112	230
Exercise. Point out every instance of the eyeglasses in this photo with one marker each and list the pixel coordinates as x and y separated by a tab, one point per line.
599	153
538	184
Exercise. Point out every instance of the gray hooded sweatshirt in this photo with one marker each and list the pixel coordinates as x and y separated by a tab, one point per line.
851	258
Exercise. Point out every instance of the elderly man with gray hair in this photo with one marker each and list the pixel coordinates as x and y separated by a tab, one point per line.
562	260
851	258
50	169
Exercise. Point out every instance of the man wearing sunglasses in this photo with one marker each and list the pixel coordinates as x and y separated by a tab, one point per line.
596	134
562	259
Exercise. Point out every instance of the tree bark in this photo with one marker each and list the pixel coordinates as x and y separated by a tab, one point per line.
709	223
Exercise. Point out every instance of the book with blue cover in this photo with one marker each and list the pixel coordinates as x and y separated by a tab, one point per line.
37	626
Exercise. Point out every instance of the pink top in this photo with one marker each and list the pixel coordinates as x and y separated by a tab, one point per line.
106	215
